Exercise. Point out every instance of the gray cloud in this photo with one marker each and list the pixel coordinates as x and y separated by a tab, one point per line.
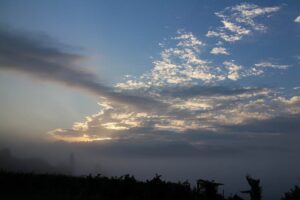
41	57
202	90
288	124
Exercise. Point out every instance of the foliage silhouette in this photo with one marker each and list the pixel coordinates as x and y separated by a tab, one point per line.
54	186
46	186
293	194
235	197
208	190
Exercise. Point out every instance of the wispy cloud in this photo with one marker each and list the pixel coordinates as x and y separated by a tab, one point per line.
239	21
271	65
297	19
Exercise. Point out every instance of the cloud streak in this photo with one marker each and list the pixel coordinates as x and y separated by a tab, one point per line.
36	56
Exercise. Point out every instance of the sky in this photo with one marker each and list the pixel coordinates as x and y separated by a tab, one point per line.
187	89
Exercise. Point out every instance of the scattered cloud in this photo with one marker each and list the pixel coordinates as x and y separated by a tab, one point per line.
194	95
219	50
239	21
297	88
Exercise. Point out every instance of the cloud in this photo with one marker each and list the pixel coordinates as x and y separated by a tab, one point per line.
271	65
219	50
239	21
39	57
286	124
200	90
182	93
233	69
261	67
296	88
188	40
199	109
179	64
235	28
196	93
297	19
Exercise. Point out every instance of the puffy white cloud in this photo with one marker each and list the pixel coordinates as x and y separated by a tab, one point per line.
289	105
188	40
219	50
235	28
224	36
297	19
233	70
132	85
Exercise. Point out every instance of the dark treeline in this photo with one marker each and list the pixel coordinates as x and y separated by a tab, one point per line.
50	186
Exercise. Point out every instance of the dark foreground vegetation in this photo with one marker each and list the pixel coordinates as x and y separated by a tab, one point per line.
50	186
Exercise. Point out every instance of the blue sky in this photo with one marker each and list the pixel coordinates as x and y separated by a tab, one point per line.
220	78
126	34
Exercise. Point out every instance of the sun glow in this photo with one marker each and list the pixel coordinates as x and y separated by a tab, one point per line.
83	138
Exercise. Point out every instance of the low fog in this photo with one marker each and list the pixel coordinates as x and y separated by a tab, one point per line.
175	161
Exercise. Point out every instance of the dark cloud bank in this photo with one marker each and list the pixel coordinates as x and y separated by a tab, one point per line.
35	55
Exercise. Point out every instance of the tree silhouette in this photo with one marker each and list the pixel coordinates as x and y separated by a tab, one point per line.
255	191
